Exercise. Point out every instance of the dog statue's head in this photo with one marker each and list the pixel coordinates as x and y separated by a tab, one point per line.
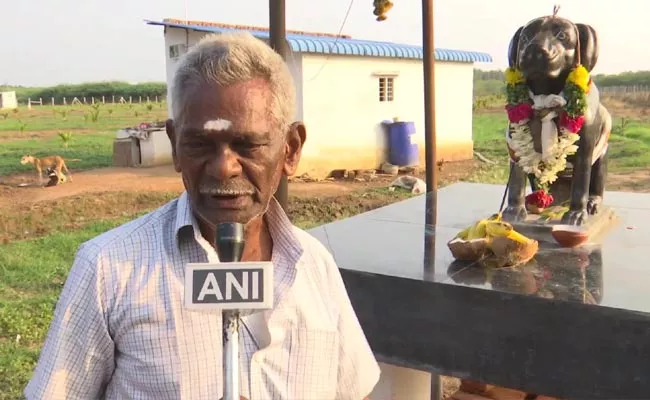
26	159
549	47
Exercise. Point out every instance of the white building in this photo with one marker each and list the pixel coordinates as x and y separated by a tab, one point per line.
8	100
347	87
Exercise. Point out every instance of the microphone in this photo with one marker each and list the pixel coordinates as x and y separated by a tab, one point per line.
229	287
229	241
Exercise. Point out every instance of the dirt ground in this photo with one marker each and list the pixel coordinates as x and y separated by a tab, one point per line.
157	179
22	187
160	179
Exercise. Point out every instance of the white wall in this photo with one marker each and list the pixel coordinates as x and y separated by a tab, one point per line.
8	100
339	102
190	38
343	113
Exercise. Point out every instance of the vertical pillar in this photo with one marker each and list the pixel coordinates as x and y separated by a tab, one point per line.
431	208
429	112
278	41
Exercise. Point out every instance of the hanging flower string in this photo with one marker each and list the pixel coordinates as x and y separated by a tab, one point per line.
571	118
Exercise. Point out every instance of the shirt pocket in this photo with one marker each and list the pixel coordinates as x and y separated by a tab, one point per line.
313	365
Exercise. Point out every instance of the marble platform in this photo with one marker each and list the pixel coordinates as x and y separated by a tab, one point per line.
572	323
596	226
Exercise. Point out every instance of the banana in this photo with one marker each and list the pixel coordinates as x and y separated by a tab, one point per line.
478	230
495	217
504	229
494	253
463	234
475	231
498	228
481	230
471	233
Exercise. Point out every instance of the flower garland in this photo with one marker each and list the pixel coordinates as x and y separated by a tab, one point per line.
520	111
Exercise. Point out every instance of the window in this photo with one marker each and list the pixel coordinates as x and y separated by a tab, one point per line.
177	50
386	88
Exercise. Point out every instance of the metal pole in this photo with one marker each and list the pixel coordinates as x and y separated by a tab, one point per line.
231	354
278	42
229	244
431	212
429	113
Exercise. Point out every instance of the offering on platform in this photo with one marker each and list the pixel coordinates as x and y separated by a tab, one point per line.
569	235
493	243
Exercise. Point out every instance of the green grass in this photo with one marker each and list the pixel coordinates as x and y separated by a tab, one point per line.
95	150
489	136
77	117
29	289
629	144
92	141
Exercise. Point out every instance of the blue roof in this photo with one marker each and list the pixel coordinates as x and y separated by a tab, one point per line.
348	47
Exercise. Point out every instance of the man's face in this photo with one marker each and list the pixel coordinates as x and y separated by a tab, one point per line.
230	151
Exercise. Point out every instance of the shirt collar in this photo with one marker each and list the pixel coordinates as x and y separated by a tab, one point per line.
285	242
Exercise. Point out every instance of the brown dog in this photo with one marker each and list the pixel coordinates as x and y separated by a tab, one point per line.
56	163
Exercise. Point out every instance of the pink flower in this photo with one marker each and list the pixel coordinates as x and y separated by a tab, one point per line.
519	112
572	124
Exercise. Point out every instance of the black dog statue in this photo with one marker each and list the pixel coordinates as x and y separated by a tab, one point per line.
544	55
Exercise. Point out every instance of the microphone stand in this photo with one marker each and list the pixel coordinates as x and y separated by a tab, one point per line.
229	244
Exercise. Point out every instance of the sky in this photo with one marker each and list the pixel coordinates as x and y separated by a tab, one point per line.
45	42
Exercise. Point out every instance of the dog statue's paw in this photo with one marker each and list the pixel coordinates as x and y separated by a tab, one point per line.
514	214
575	217
593	204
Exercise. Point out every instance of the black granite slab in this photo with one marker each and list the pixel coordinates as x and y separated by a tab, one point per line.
537	228
573	323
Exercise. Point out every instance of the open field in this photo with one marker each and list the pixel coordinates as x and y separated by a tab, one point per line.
40	229
91	132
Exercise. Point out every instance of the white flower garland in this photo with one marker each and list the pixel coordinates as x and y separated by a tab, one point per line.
545	170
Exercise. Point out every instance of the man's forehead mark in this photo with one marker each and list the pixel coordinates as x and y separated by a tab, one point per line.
217	125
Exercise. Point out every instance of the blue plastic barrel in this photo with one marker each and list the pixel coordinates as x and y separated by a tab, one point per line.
401	151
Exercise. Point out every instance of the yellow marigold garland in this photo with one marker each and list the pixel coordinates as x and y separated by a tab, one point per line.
520	111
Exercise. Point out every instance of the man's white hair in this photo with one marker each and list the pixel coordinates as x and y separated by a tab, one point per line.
235	57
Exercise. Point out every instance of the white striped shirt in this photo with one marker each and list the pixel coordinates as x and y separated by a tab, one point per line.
120	330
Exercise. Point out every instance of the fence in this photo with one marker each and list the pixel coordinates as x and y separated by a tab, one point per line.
624	89
64	101
638	96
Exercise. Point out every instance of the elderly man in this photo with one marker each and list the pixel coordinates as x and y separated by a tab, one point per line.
120	330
